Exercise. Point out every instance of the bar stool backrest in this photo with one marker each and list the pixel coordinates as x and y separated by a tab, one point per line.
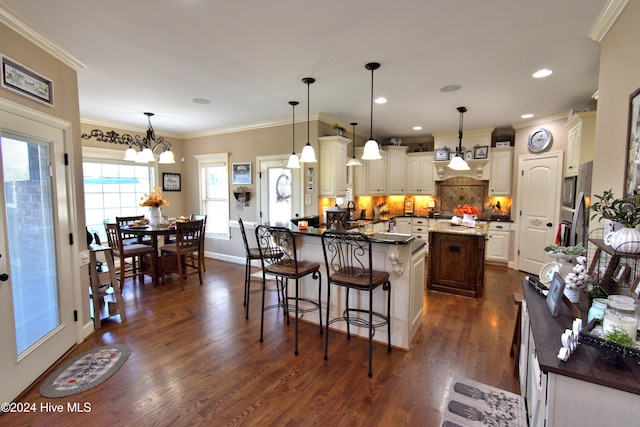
348	257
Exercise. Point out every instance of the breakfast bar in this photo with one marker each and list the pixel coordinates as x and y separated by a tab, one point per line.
401	256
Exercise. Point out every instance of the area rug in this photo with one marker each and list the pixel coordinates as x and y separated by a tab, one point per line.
475	404
85	371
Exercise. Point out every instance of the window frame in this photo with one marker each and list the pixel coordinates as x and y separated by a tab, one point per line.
208	160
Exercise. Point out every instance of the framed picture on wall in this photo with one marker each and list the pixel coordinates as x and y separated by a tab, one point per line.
481	152
632	171
241	173
171	182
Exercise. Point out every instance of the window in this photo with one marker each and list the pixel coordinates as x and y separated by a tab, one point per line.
113	188
214	192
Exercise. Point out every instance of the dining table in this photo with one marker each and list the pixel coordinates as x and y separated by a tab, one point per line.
153	232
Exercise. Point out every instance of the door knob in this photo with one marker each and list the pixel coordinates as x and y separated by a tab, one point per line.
4	277
549	225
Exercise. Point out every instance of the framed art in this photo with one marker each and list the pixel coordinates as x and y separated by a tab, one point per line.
481	152
441	154
241	173
632	171
24	81
171	182
635	289
554	297
621	273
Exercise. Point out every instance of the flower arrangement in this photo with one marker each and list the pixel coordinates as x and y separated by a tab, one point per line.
467	209
624	211
578	278
154	199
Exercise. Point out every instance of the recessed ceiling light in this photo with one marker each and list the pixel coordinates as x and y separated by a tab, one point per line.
526	116
542	73
201	101
381	100
417	128
450	88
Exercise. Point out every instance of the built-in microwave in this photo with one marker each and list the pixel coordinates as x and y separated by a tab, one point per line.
569	192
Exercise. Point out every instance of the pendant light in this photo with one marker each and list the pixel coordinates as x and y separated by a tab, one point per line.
308	154
371	148
457	162
353	161
293	163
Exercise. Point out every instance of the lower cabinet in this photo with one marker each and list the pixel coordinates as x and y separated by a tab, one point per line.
417	288
498	242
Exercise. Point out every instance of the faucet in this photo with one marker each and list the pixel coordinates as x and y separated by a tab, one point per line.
351	207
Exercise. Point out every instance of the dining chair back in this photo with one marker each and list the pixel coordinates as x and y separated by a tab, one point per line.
184	254
349	262
196	217
136	259
279	258
128	238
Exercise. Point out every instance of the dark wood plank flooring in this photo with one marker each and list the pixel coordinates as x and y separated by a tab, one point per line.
196	361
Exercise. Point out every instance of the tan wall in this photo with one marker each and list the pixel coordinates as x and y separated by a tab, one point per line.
619	77
66	107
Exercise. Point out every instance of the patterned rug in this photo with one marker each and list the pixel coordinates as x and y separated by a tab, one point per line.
85	371
475	404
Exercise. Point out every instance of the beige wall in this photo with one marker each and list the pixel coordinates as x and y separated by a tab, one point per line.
619	77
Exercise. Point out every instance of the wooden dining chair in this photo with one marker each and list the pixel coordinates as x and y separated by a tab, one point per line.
143	258
196	217
184	254
128	238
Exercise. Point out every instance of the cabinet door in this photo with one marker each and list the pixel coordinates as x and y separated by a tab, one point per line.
417	291
378	175
420	174
501	167
403	225
498	246
396	170
333	169
361	176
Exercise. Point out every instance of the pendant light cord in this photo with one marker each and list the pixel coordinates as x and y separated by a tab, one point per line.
293	125
462	110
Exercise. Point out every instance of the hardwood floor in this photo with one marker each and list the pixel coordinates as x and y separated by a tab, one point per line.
196	361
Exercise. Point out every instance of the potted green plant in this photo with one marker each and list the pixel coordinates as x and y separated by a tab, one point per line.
339	130
623	211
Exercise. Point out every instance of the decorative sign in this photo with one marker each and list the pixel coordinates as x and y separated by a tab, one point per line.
241	173
26	82
171	182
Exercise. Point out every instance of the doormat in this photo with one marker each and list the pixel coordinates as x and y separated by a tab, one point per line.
475	404
85	371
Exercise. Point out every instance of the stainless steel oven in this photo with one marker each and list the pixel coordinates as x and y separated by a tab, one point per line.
569	192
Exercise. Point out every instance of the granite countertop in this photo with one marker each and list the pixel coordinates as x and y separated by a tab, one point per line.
385	238
492	218
447	227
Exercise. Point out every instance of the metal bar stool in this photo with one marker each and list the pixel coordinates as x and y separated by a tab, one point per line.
279	258
349	262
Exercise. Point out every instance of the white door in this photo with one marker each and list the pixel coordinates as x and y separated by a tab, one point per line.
280	191
538	208
36	301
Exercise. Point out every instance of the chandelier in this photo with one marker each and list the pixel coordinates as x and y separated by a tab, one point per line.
141	149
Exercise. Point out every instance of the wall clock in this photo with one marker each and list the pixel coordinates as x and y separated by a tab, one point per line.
540	139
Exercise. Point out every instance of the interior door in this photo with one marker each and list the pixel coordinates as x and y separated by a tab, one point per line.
538	202
280	191
36	300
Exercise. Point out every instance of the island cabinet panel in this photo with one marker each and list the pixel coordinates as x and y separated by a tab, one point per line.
456	263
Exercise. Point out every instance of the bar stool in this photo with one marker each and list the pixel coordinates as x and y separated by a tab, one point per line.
279	258
349	264
250	255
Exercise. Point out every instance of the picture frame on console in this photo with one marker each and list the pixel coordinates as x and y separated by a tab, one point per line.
481	152
632	171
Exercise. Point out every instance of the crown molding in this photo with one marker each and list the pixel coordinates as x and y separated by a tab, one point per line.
21	27
606	19
541	120
249	127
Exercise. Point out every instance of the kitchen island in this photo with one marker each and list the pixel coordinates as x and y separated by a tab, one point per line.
401	256
456	261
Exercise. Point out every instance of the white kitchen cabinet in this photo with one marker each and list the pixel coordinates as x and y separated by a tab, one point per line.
417	289
501	172
377	175
420	230
361	175
396	170
498	241
581	131
333	169
403	225
420	174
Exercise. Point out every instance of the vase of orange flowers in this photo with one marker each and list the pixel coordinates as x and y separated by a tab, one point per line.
155	202
469	214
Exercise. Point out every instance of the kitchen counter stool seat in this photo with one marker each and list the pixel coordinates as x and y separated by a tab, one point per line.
349	263
279	258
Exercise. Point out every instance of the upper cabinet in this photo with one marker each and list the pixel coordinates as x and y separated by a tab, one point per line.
333	169
361	175
581	130
501	169
420	174
377	175
396	165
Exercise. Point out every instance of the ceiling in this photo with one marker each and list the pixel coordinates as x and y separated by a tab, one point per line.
248	58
